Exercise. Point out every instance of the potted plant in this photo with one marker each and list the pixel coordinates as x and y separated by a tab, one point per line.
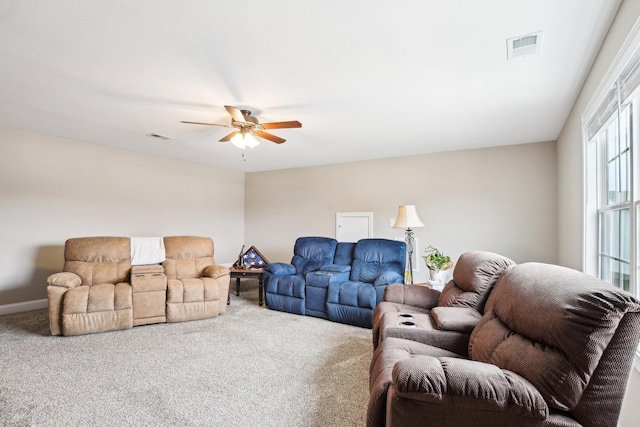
437	262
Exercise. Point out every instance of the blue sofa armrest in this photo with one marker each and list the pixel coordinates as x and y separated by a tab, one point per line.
336	268
281	268
322	278
388	278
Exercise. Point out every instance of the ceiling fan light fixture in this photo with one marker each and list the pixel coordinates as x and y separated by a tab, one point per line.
250	141
243	140
238	141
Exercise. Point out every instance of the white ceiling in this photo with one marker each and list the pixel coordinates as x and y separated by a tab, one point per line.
367	78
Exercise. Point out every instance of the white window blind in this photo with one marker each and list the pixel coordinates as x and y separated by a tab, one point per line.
623	87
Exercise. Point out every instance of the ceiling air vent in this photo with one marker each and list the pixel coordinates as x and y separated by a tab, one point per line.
524	45
158	136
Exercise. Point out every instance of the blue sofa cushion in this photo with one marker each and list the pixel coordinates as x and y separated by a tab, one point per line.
344	253
354	294
290	286
311	253
376	257
388	278
356	316
280	268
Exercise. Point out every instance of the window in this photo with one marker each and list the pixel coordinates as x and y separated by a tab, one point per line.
612	176
615	202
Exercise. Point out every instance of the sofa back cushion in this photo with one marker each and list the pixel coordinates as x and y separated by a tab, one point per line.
187	256
344	253
474	275
98	259
551	325
373	258
312	253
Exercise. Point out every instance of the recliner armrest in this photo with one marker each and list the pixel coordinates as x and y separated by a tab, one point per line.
457	319
280	268
415	295
388	278
336	268
64	280
466	384
216	271
322	278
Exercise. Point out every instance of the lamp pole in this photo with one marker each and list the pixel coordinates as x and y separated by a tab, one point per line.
407	218
409	239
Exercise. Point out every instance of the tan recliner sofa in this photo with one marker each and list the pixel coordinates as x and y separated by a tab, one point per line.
197	287
99	290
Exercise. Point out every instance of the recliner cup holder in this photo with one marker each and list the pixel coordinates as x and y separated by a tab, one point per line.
405	315
408	324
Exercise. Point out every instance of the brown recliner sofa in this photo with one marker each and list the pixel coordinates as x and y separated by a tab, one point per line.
444	319
554	348
99	290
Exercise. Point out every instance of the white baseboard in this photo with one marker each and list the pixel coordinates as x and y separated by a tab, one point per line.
19	307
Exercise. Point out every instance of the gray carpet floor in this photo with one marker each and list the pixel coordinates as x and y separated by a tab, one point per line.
248	367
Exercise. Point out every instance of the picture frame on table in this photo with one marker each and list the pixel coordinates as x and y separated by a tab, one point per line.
251	259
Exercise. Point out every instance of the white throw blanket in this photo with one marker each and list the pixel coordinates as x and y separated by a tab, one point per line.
147	250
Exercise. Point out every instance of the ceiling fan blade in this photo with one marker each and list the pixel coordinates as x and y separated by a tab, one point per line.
282	125
228	137
206	124
236	114
269	136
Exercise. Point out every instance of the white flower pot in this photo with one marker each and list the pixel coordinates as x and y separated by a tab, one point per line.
439	276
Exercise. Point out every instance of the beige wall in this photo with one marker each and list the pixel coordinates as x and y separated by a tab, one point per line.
570	186
498	199
53	188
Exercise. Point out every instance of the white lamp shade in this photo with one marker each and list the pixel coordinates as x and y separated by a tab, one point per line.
407	217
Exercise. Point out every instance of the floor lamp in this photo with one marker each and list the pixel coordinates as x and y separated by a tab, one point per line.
408	218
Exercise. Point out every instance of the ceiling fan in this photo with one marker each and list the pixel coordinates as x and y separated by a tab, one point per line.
247	127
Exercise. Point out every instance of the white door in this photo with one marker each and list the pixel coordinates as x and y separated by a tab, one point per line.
353	226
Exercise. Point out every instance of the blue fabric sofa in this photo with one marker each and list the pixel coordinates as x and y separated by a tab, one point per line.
339	281
285	283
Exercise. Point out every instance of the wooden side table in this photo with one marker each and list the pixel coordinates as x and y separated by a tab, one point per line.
253	273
